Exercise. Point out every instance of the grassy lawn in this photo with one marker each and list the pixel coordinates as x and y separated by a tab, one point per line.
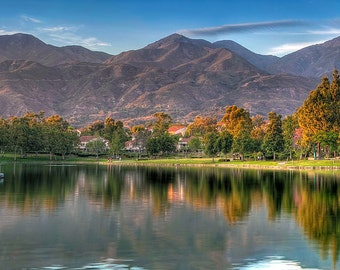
246	163
42	158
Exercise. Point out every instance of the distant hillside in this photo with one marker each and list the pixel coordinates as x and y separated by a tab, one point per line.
261	61
28	47
180	76
313	61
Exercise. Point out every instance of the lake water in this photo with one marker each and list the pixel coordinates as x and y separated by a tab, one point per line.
116	217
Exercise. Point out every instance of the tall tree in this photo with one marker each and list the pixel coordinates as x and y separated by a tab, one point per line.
238	123
58	137
109	127
118	139
236	118
201	126
258	131
140	135
273	139
211	145
289	127
3	134
162	123
320	113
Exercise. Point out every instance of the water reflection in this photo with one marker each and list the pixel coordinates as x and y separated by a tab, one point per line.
147	212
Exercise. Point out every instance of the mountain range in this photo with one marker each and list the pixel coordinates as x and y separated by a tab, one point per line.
180	76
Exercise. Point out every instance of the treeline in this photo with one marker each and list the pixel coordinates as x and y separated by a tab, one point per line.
36	133
313	130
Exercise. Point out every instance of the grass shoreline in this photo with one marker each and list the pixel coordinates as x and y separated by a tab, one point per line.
333	164
277	165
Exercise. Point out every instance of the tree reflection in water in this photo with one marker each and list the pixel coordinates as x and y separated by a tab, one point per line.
311	198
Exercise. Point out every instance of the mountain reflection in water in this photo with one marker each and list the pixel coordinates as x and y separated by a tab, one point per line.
168	218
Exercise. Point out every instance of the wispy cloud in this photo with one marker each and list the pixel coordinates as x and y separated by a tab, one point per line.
291	47
327	31
59	29
5	32
69	35
30	19
244	27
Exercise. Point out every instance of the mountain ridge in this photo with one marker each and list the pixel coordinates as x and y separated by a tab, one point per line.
180	76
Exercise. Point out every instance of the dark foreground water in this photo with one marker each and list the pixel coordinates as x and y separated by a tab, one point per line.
115	217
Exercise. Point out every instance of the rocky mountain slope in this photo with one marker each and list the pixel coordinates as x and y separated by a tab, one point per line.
313	61
180	76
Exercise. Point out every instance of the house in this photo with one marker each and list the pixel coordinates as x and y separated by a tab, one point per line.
132	146
183	143
177	130
84	140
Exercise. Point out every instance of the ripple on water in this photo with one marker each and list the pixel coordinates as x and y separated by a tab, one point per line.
272	263
108	264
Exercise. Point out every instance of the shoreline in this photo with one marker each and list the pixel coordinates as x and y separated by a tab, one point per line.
307	165
230	165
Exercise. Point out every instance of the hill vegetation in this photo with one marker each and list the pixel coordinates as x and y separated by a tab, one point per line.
179	76
313	131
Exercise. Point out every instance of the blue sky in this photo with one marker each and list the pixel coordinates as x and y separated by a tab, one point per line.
263	26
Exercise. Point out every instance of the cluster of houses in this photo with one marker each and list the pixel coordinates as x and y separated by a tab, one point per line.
131	145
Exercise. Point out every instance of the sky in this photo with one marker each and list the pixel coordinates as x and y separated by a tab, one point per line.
275	27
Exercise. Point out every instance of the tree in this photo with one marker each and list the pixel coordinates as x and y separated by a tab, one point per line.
289	127
201	126
242	141
97	127
162	123
153	146
161	144
235	119
15	134
119	137
3	134
109	127
238	123
224	142
96	146
258	131
320	113
273	139
58	135
211	145
140	135
194	144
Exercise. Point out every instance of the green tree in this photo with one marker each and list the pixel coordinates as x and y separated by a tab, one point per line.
162	123
257	133
211	144
153	146
18	135
273	139
289	127
195	144
161	145
224	142
320	113
140	135
242	141
95	128
56	131
3	134
96	146
109	127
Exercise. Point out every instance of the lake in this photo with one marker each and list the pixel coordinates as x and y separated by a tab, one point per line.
60	216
